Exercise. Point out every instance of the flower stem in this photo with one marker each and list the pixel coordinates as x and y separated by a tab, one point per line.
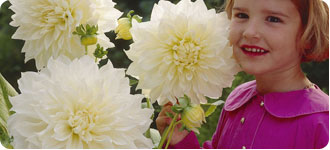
86	49
148	134
150	106
148	103
167	130
171	134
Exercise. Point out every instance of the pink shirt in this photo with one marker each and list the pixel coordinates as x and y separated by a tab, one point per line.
295	119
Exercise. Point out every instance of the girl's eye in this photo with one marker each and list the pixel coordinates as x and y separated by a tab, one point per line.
273	19
241	15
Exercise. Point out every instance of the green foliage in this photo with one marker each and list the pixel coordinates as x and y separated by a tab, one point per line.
136	17
88	30
209	127
88	37
12	60
133	81
210	110
6	90
100	52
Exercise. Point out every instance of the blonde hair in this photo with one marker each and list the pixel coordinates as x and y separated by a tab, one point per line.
314	15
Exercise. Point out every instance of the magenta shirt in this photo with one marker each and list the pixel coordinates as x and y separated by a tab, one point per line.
295	119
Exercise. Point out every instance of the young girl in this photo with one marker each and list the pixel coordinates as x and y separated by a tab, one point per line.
281	108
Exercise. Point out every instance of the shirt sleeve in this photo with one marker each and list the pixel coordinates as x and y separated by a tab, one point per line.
322	133
191	141
213	144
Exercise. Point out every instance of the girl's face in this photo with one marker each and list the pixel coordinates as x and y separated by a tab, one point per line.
264	34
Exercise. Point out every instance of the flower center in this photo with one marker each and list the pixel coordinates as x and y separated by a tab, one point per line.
82	122
61	15
186	51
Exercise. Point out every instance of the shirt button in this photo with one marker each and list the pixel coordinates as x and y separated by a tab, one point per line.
243	147
262	103
242	120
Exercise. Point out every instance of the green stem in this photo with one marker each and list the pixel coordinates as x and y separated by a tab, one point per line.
149	106
171	134
95	59
86	49
148	103
167	130
162	139
152	117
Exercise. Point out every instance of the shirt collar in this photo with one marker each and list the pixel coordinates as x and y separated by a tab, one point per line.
281	104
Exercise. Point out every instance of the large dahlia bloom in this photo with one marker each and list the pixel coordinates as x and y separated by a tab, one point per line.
183	49
77	105
47	26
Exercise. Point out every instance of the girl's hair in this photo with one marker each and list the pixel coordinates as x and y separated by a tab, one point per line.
314	15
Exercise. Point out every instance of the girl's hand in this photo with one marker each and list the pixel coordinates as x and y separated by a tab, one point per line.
164	121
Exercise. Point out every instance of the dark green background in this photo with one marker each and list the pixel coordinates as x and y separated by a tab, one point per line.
12	60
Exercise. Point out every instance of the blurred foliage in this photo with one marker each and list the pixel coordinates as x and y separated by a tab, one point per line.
12	60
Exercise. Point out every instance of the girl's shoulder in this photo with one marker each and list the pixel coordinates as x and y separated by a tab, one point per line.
240	95
297	103
281	104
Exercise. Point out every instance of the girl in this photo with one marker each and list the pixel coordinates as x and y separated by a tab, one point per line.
281	108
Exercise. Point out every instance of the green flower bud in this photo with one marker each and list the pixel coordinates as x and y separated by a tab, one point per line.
88	40
193	117
122	30
88	34
100	52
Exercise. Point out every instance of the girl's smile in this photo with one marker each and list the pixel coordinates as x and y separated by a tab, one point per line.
252	50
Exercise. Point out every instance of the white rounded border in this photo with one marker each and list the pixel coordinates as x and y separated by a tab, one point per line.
327	147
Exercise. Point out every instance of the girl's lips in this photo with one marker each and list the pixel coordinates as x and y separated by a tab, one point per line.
253	50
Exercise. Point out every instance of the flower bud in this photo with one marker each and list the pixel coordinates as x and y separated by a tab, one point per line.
88	40
122	30
193	116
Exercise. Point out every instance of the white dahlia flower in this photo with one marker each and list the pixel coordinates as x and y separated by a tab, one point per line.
46	26
183	49
77	105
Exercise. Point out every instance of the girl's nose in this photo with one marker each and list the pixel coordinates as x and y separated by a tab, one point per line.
251	31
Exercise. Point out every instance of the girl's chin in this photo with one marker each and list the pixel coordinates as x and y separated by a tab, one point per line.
253	70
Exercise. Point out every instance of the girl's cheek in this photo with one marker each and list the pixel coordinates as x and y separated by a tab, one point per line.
233	35
235	32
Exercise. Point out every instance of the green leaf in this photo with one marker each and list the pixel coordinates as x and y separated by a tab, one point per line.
169	114
5	139
147	133
177	109
82	28
88	27
184	101
133	82
129	14
99	52
212	107
6	90
10	90
210	110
